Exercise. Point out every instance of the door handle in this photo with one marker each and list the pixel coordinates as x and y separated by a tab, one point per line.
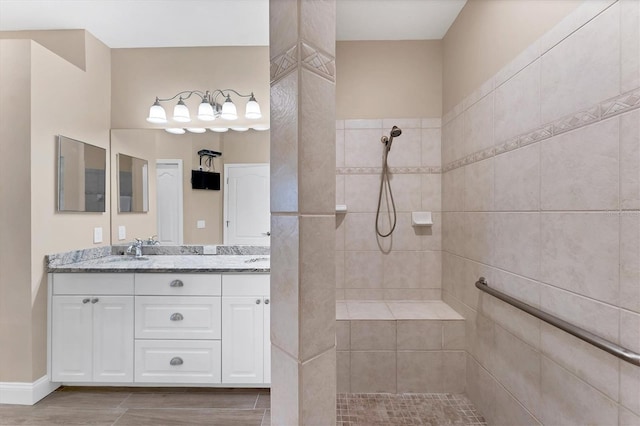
94	301
85	301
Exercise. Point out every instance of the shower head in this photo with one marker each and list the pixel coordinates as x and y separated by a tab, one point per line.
395	132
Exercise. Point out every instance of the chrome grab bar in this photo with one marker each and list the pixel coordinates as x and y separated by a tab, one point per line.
597	341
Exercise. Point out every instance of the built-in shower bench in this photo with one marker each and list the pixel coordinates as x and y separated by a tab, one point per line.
399	346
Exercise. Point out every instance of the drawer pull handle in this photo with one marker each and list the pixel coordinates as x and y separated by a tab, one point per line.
266	301
176	361
176	317
257	301
85	301
176	283
96	300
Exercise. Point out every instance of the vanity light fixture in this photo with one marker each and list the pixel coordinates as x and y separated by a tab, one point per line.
196	129
176	130
209	108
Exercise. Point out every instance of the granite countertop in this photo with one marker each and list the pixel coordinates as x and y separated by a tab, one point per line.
167	263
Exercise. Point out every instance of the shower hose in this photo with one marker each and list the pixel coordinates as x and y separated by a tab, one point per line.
384	180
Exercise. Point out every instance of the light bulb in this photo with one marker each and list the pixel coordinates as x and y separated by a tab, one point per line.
181	112
196	129
175	130
252	110
261	127
229	111
240	128
219	129
157	114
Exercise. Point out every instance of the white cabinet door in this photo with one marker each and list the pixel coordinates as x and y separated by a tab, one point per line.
71	339
242	339
267	340
112	338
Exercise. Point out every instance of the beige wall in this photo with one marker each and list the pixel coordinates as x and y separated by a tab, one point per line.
15	225
139	75
391	79
67	101
489	33
68	44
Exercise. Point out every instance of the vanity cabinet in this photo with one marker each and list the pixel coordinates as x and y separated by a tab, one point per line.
161	328
246	349
92	328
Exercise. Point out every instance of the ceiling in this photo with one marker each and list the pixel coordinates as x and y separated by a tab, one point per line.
179	23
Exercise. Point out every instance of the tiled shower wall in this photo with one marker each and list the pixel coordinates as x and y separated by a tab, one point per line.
406	265
541	195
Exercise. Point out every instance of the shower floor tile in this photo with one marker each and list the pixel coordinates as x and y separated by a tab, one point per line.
434	409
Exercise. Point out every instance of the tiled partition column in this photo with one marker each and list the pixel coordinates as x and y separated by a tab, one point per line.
541	195
302	52
407	264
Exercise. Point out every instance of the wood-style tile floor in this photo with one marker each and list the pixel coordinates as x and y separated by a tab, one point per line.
228	407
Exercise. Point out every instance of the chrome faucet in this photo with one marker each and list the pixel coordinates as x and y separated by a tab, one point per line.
137	246
151	241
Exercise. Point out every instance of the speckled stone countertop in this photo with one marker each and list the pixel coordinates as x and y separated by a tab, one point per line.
165	263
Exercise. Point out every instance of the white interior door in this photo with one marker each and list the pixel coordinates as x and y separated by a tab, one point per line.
246	204
169	200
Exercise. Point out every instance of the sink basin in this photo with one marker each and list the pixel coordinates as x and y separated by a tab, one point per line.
127	258
257	259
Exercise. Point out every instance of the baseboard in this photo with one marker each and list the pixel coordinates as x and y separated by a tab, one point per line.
22	393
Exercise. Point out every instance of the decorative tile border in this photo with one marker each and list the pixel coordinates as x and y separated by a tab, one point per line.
609	108
393	170
283	64
317	61
309	56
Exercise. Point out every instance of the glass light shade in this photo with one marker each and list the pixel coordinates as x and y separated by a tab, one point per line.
205	112
229	111
181	112
219	129
157	114
252	110
240	129
175	130
196	129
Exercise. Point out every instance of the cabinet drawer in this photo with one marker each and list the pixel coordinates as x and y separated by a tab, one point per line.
177	361
245	284
96	283
162	317
178	284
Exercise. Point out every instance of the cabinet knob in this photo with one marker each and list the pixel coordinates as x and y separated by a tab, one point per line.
176	361
266	301
257	301
176	283
176	317
94	301
85	301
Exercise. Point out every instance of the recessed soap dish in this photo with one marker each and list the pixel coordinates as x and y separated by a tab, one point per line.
421	219
341	208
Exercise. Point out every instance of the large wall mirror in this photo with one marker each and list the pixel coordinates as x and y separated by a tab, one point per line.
133	184
81	176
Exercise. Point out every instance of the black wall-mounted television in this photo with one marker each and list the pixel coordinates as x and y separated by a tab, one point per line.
205	180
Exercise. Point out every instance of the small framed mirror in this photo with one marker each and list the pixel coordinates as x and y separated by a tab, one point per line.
133	184
81	176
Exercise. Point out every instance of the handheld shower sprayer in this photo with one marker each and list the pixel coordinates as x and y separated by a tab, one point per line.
395	132
384	180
